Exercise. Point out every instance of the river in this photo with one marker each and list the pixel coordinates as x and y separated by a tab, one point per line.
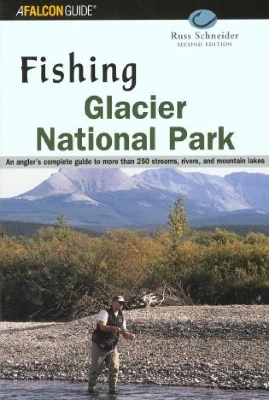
62	390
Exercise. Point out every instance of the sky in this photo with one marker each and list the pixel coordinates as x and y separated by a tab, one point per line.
223	86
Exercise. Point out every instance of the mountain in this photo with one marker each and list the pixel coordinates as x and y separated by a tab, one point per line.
207	190
254	188
103	198
81	185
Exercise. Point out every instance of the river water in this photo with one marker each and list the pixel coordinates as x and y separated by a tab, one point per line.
62	390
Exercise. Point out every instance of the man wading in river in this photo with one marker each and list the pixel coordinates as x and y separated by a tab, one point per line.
110	325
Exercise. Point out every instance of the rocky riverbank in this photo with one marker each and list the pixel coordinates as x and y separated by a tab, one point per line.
206	346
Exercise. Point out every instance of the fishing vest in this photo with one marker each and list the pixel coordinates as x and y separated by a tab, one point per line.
108	340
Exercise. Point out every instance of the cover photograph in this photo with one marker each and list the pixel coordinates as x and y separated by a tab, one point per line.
134	194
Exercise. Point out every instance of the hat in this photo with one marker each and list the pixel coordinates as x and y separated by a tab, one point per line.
120	299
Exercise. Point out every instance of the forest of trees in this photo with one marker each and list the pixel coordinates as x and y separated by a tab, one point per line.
59	272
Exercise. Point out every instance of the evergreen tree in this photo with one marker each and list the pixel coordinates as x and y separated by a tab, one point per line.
3	233
61	222
178	222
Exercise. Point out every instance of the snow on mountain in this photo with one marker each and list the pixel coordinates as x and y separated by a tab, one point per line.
209	190
254	188
82	184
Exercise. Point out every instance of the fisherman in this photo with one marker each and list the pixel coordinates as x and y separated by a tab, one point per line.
110	325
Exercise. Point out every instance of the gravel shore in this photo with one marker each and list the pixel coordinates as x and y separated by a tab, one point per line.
206	346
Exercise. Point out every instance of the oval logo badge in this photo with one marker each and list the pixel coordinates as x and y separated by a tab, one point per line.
203	19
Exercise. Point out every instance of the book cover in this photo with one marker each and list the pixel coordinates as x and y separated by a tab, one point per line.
111	112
